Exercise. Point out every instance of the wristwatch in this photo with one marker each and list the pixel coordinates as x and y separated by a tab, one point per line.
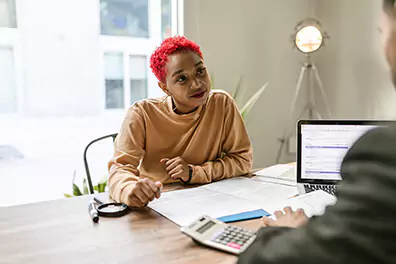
190	173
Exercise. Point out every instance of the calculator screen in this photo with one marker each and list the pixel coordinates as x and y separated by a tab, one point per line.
205	227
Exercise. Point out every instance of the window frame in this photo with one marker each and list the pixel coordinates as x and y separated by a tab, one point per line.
138	46
10	39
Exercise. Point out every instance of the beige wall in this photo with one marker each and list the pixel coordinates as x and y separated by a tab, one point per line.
251	38
352	66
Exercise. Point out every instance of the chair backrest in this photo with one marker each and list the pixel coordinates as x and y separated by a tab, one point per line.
88	174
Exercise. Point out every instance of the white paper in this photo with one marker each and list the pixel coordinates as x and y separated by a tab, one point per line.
276	170
262	193
185	206
284	174
313	203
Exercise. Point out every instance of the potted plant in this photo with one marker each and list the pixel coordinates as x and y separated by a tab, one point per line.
100	187
248	106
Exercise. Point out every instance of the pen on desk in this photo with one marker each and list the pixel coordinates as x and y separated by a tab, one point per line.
93	212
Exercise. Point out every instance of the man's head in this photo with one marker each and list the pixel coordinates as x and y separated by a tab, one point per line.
179	67
388	34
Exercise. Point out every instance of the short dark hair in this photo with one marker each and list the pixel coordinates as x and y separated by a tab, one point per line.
388	4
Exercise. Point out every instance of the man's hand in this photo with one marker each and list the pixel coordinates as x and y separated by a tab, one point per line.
144	192
177	168
289	218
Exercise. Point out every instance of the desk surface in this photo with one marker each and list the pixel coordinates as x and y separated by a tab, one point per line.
61	231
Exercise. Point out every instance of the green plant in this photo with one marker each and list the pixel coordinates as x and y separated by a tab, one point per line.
100	187
238	94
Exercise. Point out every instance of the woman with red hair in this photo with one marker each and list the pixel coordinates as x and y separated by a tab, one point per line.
191	135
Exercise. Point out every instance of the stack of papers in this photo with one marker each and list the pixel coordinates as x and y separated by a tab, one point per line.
185	206
271	189
262	193
219	199
313	203
284	174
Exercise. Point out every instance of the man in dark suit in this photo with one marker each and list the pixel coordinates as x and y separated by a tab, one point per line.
361	226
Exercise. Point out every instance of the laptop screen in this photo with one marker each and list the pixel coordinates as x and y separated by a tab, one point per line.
323	147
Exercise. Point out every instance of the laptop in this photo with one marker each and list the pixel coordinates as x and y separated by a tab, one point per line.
321	147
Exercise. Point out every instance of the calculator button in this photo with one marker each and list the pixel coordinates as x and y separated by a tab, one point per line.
234	245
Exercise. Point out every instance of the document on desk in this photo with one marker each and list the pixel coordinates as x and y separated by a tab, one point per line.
223	198
313	203
184	206
284	174
263	193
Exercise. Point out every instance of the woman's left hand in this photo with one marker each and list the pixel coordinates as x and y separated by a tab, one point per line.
177	168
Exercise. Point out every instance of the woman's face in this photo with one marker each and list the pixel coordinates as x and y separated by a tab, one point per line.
187	81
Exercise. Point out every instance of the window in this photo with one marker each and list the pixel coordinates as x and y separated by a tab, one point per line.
114	80
67	76
131	30
166	18
8	94
138	78
124	18
7	14
119	91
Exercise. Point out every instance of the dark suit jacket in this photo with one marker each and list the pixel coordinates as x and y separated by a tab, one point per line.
359	228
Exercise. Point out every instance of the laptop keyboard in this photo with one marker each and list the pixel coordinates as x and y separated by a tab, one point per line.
332	189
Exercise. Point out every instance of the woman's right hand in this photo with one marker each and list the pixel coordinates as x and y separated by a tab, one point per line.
144	192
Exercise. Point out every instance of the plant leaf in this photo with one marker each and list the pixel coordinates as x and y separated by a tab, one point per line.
85	187
96	188
68	195
76	190
104	179
102	187
212	81
252	101
236	93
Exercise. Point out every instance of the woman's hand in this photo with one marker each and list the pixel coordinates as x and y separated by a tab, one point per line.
177	168
289	218
144	192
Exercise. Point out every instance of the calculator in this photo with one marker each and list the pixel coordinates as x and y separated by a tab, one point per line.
216	234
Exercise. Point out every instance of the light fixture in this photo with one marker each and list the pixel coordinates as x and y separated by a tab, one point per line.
308	36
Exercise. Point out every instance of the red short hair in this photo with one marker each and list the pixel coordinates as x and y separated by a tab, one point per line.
170	46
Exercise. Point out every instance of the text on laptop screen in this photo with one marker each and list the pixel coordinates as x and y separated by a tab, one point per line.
323	148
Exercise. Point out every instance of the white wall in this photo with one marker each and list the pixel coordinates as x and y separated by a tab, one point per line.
60	48
251	38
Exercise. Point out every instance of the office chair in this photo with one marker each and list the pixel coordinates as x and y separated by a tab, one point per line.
90	186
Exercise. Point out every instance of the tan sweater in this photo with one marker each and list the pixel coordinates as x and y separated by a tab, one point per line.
152	131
